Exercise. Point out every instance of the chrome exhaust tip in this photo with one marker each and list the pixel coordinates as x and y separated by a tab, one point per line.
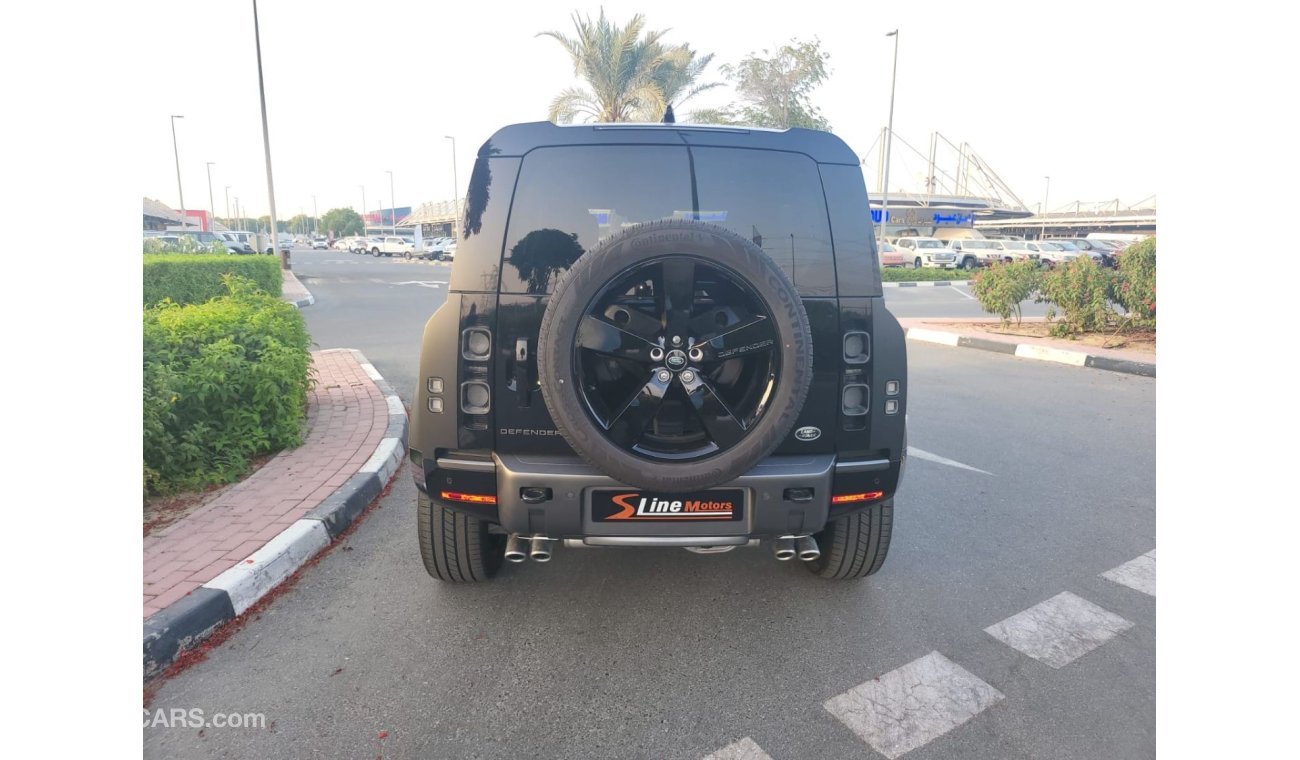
515	551
539	548
783	548
807	548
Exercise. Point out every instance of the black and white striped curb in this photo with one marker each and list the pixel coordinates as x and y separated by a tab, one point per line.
301	302
1032	351
926	283
187	622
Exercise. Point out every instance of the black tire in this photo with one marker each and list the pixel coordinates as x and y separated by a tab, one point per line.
916	263
374	252
968	263
855	546
455	547
613	257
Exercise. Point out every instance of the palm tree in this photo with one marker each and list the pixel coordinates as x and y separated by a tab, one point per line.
632	77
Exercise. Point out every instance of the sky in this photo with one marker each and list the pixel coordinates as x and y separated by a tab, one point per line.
353	89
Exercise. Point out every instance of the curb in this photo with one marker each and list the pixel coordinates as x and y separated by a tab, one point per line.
301	302
926	283
1033	351
188	621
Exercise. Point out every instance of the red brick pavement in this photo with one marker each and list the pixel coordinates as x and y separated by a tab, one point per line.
346	419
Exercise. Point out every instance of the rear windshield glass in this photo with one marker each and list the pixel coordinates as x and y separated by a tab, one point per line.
568	199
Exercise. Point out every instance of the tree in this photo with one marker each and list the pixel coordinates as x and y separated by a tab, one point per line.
342	221
774	89
301	224
631	77
264	224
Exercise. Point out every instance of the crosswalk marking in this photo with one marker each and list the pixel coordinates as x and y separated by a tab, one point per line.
910	706
1138	574
1059	630
745	749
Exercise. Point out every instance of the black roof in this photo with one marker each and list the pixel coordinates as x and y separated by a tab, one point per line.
518	139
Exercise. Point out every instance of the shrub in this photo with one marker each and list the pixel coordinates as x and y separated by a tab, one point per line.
195	278
1002	287
1135	283
224	381
893	274
1082	290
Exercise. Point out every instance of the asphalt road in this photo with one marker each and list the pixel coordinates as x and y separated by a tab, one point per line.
645	653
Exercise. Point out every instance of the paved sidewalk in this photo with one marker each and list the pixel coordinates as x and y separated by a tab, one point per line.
221	558
946	331
294	291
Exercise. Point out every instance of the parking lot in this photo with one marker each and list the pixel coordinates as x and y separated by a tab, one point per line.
1015	616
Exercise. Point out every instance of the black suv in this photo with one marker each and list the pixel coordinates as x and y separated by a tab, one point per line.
661	335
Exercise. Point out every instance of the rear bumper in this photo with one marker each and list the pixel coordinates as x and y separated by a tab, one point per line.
774	504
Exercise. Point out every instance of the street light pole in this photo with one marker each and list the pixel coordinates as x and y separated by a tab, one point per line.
228	203
266	143
455	185
177	153
1043	233
315	217
212	207
392	199
889	141
363	209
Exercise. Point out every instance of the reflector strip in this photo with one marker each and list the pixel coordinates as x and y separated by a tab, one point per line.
471	498
846	498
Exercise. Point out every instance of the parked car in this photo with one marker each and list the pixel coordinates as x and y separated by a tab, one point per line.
449	252
1071	246
655	387
434	248
234	243
363	244
1050	254
341	244
927	252
1013	250
392	245
320	244
891	256
975	252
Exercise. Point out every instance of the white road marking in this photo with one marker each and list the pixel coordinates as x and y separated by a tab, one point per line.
745	749
958	289
1138	574
921	454
911	706
422	283
1059	630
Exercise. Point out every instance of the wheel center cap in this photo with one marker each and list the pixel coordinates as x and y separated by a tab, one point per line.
675	360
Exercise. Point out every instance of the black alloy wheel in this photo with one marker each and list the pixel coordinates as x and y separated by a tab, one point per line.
674	356
674	359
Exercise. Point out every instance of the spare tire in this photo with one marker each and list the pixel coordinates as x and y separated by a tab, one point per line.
674	355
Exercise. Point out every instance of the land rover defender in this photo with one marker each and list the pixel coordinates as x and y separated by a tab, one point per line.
660	335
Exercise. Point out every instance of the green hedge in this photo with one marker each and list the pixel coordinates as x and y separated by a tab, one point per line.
188	278
894	274
224	381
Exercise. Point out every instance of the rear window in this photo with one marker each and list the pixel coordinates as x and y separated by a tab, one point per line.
568	199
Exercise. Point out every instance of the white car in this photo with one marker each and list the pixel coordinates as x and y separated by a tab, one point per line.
1050	254
320	244
449	253
927	252
236	242
975	252
390	245
1008	251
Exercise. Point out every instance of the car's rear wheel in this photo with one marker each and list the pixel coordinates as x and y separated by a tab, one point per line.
455	547
374	252
855	545
674	356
